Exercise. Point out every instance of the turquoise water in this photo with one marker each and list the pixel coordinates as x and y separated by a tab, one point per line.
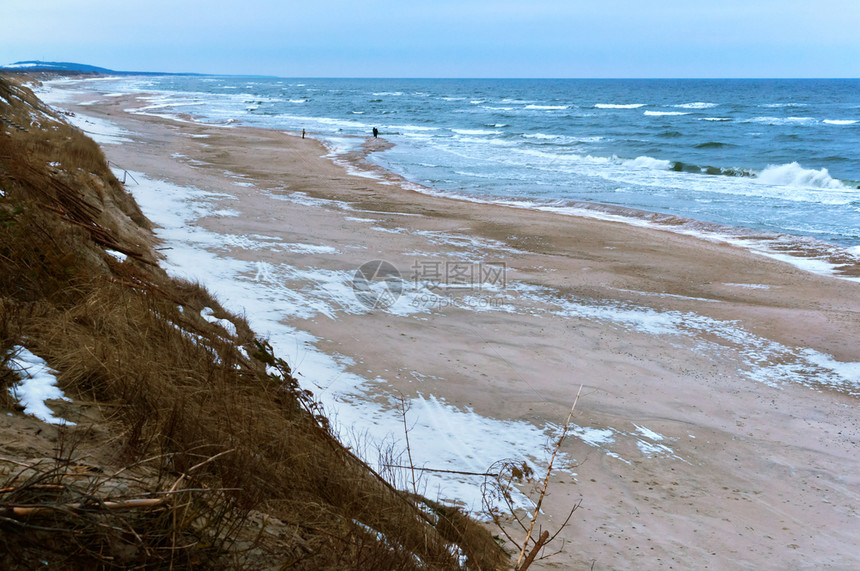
776	156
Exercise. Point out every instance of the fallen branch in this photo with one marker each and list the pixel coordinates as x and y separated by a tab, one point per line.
24	511
488	474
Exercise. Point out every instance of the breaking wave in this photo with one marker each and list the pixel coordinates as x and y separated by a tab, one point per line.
793	174
619	105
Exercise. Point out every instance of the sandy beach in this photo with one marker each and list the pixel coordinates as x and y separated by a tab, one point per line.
718	423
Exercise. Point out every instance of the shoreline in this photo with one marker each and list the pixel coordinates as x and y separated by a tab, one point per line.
804	252
681	458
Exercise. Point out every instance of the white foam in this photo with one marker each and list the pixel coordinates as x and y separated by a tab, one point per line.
490	141
547	107
840	121
475	132
649	163
697	105
782	120
414	128
794	175
665	113
620	105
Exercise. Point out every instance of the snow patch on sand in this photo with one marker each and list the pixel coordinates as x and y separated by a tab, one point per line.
443	436
208	314
38	384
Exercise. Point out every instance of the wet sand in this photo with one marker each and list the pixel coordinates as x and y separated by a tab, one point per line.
713	431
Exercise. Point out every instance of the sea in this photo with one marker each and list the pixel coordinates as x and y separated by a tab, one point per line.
772	164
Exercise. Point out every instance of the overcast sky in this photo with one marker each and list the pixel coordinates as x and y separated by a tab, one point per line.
443	38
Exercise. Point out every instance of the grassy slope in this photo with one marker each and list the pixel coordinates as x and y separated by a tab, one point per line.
241	469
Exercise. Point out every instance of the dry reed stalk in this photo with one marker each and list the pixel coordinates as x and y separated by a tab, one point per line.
521	565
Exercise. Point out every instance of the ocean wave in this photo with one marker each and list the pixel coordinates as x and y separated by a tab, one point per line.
413	128
840	121
645	162
555	158
476	175
715	119
782	120
794	175
665	113
713	145
560	139
696	105
619	105
392	93
328	121
298	100
476	132
488	141
547	107
679	166
779	105
489	108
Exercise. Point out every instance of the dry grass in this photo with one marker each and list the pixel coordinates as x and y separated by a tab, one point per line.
252	474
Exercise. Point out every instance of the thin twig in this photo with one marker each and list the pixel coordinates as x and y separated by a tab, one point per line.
408	448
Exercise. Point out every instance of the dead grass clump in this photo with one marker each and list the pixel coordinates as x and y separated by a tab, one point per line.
9	335
69	514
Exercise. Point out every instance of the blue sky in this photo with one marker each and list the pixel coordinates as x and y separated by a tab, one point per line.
444	38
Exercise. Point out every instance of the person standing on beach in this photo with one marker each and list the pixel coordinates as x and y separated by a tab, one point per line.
303	133
375	132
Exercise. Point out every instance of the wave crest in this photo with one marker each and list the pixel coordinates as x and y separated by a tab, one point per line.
649	163
546	107
619	105
697	105
665	113
793	174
